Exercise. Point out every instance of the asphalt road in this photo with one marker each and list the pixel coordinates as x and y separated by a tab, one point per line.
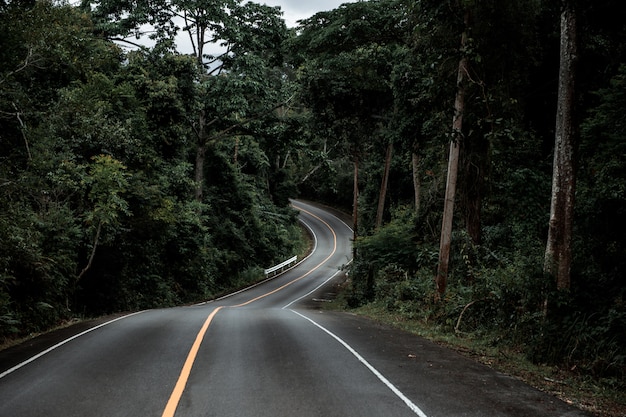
266	351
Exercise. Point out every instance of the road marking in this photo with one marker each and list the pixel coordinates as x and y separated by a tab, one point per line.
271	278
179	388
183	378
307	273
315	239
170	408
58	345
312	234
344	223
312	291
361	359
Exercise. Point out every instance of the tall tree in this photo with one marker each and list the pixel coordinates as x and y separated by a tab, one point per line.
453	165
384	184
347	58
250	37
558	254
240	42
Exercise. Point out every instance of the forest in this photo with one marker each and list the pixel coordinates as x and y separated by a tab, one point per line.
480	146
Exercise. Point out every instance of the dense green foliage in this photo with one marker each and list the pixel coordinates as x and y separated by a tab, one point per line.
497	288
134	179
98	211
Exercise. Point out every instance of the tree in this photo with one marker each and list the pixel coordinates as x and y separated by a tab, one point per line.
558	254
453	165
489	97
237	44
107	181
384	184
347	58
97	145
47	49
251	37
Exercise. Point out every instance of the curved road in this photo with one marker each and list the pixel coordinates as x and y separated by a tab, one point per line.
265	351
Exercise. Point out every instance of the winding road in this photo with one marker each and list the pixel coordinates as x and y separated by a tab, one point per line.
267	351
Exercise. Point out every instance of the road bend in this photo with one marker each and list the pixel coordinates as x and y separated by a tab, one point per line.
267	351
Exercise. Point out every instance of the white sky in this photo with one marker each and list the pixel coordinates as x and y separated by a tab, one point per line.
294	10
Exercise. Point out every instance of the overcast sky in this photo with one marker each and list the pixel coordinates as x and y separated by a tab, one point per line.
294	10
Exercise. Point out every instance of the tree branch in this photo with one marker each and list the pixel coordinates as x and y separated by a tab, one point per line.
23	130
229	129
136	45
28	61
93	253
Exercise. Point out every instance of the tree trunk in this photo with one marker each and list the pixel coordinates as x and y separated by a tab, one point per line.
453	168
23	130
199	171
355	206
383	186
474	163
417	183
448	214
96	240
558	256
200	156
236	152
355	201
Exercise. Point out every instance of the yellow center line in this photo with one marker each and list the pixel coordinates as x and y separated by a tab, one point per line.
170	408
179	388
304	275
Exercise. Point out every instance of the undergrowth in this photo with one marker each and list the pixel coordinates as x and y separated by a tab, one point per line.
456	325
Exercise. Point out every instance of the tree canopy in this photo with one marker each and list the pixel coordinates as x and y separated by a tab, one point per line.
99	149
141	177
499	226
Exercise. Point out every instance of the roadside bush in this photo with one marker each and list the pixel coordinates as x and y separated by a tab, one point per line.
589	343
35	261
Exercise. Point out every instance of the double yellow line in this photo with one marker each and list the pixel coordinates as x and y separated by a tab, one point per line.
179	388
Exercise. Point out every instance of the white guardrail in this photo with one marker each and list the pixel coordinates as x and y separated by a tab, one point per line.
280	267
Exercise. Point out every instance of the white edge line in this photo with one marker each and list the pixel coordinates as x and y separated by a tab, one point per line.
336	217
272	277
361	359
50	349
287	270
312	291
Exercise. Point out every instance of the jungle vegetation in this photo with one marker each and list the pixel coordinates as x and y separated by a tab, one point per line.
479	144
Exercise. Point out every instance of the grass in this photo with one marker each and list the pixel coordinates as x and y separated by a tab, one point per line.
602	398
